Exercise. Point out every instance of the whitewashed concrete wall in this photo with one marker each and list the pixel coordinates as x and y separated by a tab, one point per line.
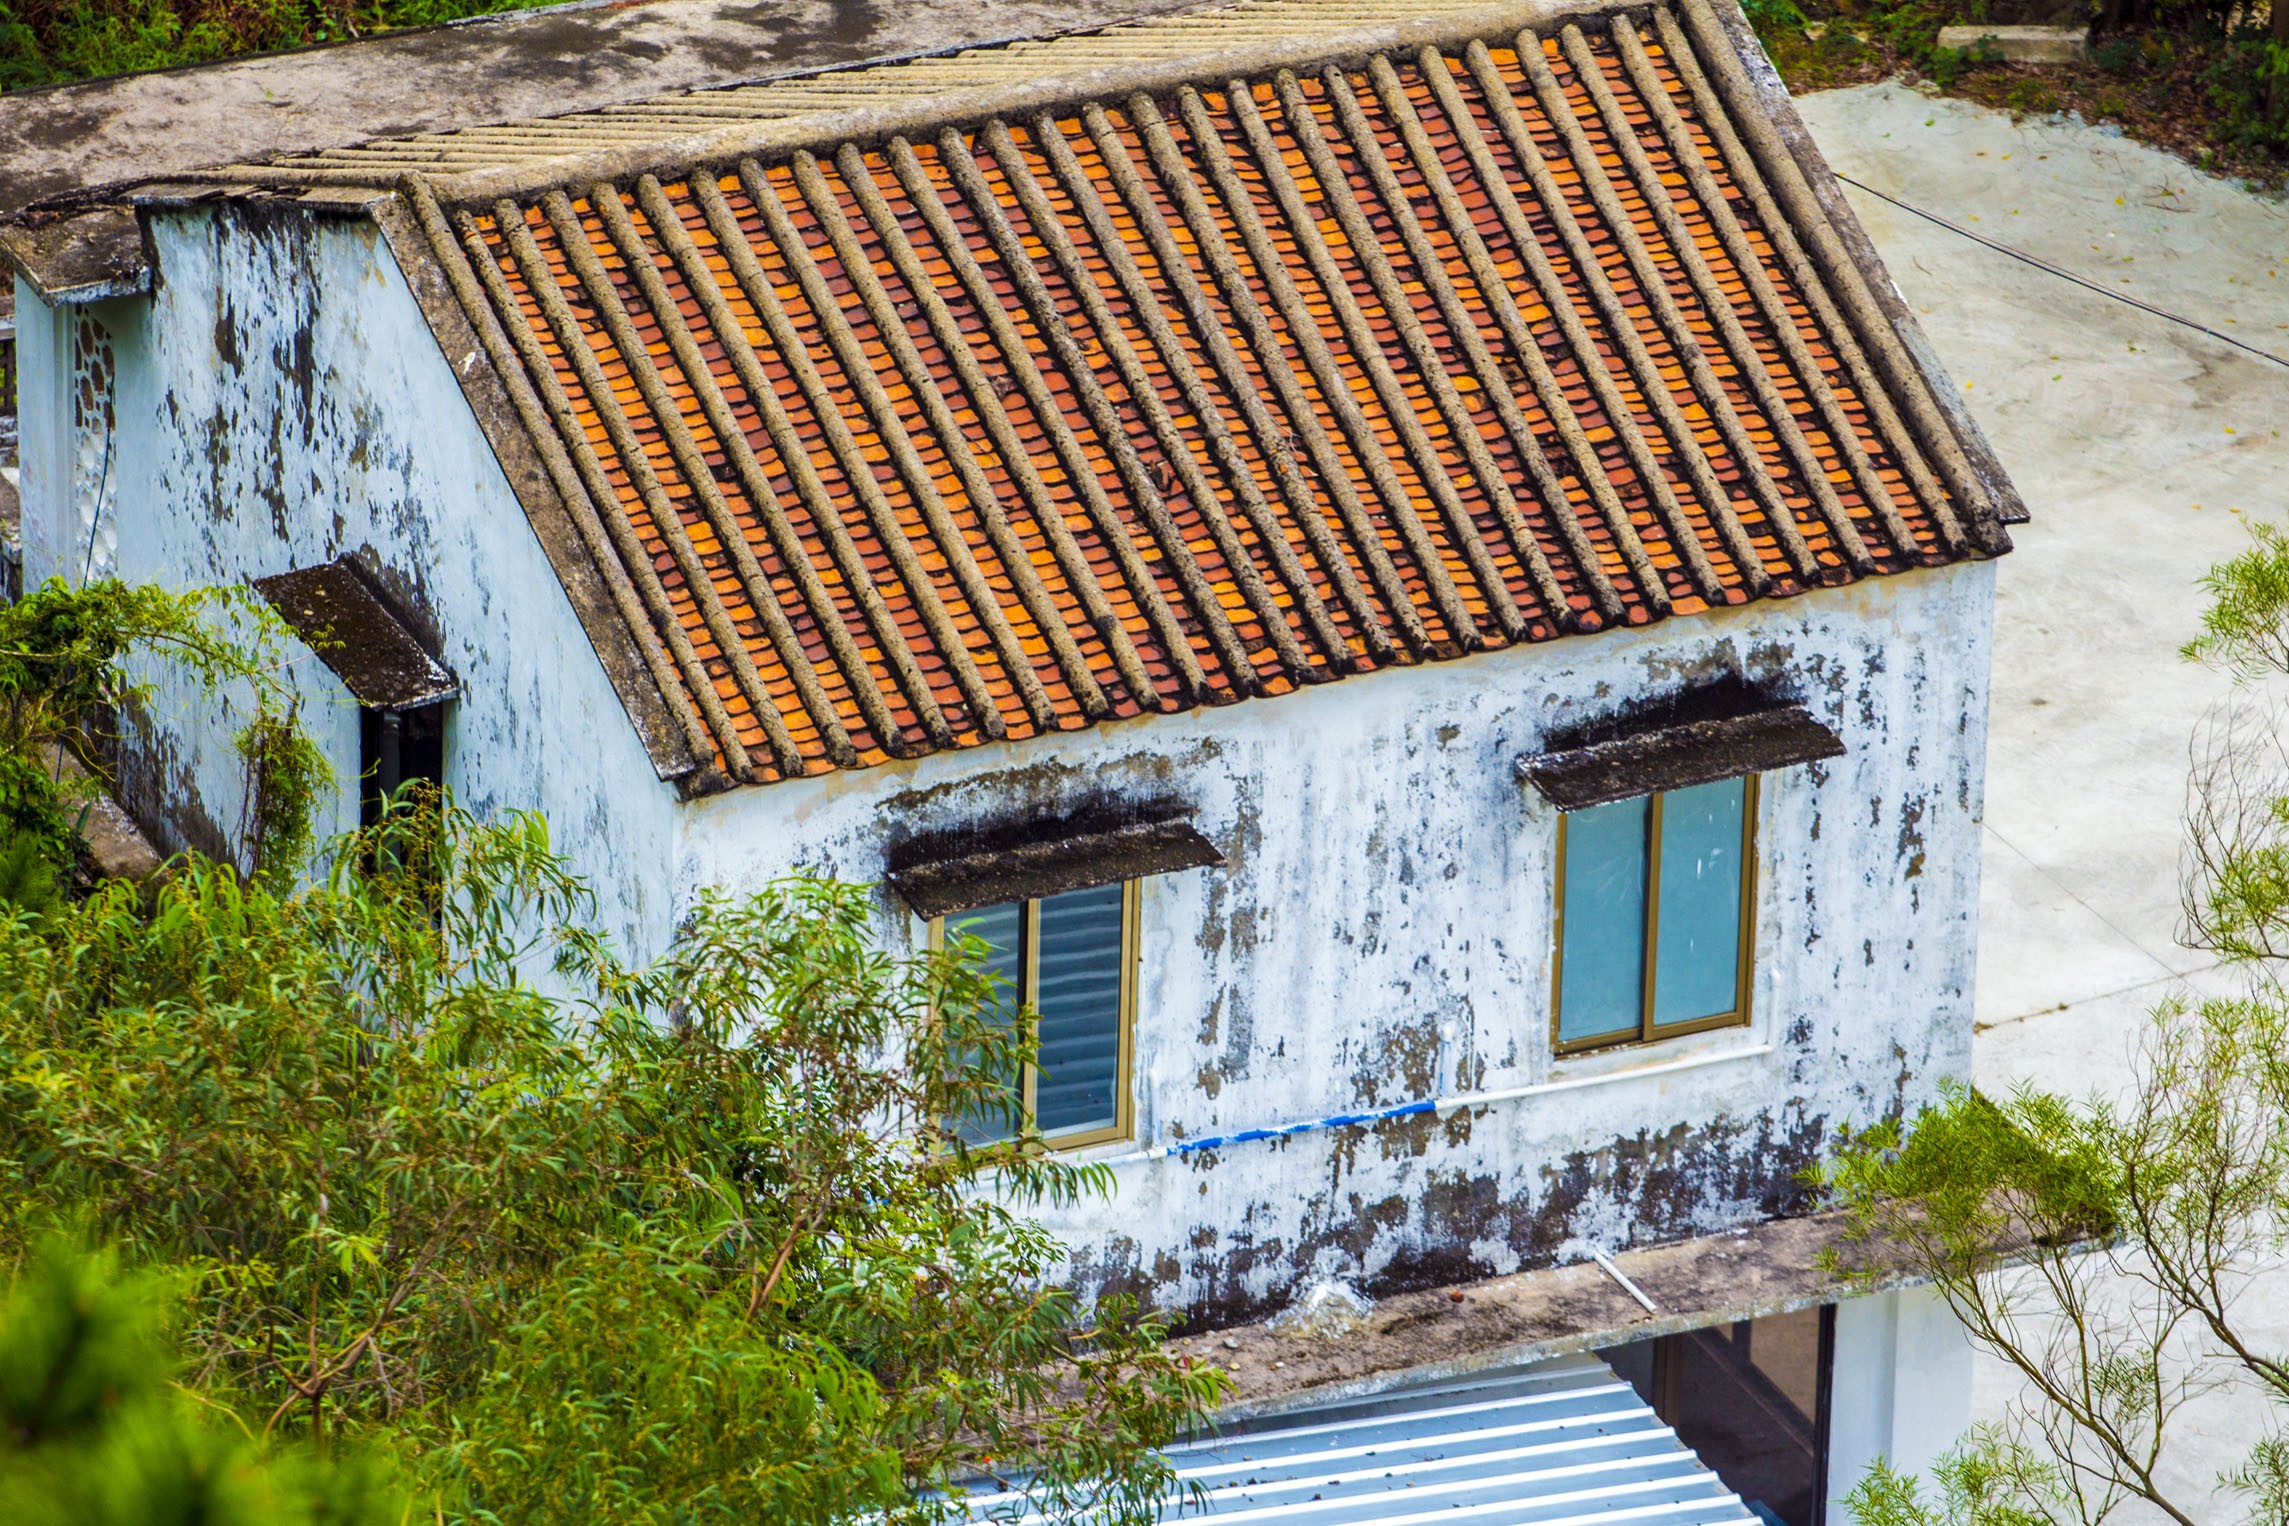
43	428
1379	933
1901	1390
280	401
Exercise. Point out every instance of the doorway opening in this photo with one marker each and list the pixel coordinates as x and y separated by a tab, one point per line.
1751	1398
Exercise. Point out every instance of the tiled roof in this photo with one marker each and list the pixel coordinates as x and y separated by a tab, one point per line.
1188	385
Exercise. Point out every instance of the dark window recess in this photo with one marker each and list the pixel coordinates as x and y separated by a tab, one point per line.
7	390
396	747
1751	1399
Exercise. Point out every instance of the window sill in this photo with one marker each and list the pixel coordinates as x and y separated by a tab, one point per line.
1628	1061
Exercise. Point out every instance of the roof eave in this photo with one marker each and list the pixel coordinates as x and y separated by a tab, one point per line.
89	255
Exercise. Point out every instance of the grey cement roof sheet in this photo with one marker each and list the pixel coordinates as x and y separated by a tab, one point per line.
74	139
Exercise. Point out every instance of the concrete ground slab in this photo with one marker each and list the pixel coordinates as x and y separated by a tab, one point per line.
2082	956
2143	449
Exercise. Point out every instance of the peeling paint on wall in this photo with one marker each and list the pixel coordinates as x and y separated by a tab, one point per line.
281	402
1381	929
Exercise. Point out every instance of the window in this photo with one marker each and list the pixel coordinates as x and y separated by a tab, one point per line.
1653	919
1071	958
396	747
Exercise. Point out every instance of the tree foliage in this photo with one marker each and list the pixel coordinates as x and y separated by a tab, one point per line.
696	1241
2101	1247
94	1433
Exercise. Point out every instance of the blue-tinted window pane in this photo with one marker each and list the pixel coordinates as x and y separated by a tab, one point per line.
1697	950
997	927
1078	973
1601	965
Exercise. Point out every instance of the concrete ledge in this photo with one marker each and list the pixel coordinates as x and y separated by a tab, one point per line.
116	846
2023	44
1760	1269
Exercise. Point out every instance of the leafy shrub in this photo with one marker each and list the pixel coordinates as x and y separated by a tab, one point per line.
2032	96
92	1433
2248	80
2118	54
666	1244
1769	17
65	655
46	42
29	879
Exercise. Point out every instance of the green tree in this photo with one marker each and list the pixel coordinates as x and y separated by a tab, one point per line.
93	1432
2101	1247
690	1242
48	42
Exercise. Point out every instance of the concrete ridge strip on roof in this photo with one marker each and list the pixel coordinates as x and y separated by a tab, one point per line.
1009	92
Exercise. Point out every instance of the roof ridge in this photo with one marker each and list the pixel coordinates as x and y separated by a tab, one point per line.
778	128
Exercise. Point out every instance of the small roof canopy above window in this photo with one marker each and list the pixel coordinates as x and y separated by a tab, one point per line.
1677	754
1049	862
381	663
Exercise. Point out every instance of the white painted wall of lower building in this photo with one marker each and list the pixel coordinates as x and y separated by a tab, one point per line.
1381	932
1901	1389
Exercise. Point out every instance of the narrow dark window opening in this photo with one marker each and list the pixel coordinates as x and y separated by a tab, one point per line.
395	748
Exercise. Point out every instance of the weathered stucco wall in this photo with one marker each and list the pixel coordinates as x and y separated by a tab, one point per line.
1381	932
43	438
279	401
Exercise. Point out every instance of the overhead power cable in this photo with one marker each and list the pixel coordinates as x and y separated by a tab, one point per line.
2066	275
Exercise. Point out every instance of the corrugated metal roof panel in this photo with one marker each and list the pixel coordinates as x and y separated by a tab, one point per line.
1552	1443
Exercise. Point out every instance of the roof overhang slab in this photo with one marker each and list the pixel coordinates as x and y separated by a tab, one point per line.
88	255
381	662
1765	1268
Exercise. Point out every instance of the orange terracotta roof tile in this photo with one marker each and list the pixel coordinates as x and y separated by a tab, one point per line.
932	436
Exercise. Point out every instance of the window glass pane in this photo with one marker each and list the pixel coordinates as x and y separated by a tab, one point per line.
1601	966
1077	970
998	927
1696	958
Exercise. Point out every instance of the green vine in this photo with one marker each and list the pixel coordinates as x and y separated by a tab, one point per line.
65	676
285	775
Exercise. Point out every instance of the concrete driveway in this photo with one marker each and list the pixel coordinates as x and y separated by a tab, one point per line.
2143	448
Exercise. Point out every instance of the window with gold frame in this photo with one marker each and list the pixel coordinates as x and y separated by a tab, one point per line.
1070	959
1656	900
